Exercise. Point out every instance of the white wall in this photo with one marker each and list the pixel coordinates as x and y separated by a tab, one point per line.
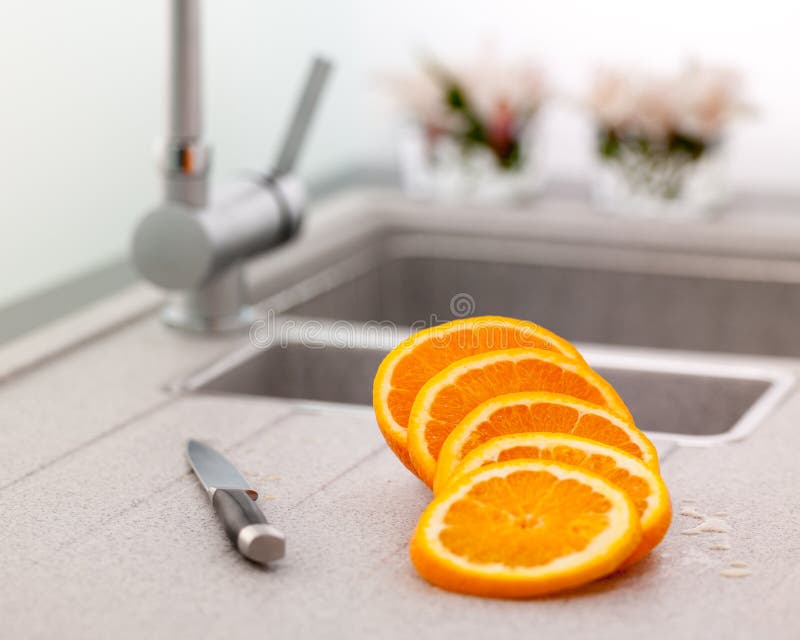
82	106
81	95
573	37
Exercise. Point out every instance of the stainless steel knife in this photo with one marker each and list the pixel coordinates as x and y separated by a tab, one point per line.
233	500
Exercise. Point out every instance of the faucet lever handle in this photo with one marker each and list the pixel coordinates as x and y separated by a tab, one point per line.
293	142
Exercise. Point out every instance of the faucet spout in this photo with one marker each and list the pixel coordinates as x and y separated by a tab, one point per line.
185	107
186	158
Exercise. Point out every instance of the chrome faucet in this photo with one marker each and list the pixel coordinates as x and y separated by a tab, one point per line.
194	242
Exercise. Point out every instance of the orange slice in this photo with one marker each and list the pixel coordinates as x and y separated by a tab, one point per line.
413	362
455	391
644	487
540	411
524	528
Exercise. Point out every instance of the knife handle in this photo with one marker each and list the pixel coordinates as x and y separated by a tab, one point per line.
247	527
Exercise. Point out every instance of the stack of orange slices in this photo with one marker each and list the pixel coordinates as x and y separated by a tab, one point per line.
542	481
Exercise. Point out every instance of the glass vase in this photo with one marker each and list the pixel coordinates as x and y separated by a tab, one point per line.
438	167
665	186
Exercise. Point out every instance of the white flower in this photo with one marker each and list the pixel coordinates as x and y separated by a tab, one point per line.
611	99
707	101
696	103
633	103
421	96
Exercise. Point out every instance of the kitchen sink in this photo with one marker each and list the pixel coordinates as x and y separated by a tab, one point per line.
669	326
674	397
595	294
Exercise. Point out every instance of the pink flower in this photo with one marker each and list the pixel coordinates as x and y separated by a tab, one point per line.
493	84
500	127
503	95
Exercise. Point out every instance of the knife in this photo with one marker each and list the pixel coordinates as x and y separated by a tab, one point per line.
233	500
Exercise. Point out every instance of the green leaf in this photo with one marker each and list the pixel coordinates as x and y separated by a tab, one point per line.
608	144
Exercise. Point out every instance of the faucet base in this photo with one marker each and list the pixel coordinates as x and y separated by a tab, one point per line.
216	307
177	317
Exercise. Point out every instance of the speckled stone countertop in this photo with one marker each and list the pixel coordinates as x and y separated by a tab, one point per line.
105	533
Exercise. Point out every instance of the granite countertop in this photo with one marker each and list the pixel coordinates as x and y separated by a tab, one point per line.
106	533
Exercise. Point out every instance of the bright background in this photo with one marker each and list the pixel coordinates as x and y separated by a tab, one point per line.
82	85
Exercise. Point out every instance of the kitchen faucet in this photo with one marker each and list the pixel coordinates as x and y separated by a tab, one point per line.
194	242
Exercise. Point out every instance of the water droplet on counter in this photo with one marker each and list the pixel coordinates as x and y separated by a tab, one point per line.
691	512
709	525
735	573
717	526
723	544
736	570
259	474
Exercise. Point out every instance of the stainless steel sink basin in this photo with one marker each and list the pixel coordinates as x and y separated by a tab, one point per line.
604	295
675	398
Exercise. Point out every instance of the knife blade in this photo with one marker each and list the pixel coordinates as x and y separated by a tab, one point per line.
233	500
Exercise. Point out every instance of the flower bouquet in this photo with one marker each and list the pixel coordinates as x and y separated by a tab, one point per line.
471	130
660	140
